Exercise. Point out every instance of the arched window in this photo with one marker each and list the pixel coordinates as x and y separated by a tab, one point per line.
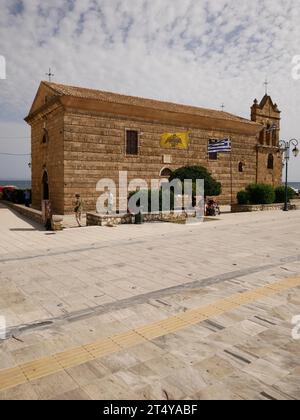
268	135
274	138
165	173
270	161
241	167
45	139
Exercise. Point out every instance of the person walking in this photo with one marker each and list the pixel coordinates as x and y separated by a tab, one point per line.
78	207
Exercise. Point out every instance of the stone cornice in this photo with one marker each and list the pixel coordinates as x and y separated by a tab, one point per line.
53	104
273	149
165	117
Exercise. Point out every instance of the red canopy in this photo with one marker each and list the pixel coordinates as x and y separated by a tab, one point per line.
7	187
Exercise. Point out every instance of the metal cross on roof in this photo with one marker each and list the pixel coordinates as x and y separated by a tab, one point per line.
223	107
266	84
50	75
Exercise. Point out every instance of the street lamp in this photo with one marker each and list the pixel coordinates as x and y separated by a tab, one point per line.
285	147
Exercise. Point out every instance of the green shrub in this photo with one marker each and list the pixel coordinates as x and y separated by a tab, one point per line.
243	197
194	173
261	194
280	194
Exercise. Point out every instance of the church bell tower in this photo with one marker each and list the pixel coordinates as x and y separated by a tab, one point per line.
269	159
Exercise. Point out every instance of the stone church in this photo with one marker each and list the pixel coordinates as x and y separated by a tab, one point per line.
80	136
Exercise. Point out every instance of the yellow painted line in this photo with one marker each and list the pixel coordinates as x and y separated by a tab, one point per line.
26	372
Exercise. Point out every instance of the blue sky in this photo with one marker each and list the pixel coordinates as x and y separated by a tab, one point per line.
198	52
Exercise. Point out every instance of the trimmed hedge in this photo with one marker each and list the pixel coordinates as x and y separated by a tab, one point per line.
261	194
280	194
257	194
212	187
243	197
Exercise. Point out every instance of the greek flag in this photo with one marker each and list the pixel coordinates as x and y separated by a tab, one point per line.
219	146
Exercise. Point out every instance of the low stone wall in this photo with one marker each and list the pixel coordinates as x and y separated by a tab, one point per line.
32	214
35	215
95	219
237	208
295	203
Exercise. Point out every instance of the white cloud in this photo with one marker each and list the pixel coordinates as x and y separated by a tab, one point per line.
193	51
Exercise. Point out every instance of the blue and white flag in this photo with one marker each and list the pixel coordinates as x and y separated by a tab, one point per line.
219	146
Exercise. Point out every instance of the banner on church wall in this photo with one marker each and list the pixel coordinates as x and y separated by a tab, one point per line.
179	141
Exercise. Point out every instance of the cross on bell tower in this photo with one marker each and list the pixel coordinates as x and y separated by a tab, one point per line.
50	75
266	84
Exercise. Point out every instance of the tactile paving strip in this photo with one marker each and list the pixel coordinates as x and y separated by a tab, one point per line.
26	372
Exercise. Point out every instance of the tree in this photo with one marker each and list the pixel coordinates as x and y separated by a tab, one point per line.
211	186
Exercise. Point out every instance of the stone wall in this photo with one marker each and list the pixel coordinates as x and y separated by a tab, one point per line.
87	133
49	158
269	176
30	213
295	203
236	208
95	219
95	149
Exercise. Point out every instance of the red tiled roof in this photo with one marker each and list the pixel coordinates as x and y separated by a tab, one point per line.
79	92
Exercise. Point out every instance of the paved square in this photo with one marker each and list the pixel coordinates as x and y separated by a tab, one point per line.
158	311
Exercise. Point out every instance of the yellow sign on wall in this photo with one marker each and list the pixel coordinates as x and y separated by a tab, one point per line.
179	141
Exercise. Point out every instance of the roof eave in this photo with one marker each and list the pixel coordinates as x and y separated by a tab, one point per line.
43	110
168	117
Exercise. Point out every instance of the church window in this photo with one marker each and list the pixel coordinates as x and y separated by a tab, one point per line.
241	167
132	142
213	156
270	161
45	138
268	135
166	173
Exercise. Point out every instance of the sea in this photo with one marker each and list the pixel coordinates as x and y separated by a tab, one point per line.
295	185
